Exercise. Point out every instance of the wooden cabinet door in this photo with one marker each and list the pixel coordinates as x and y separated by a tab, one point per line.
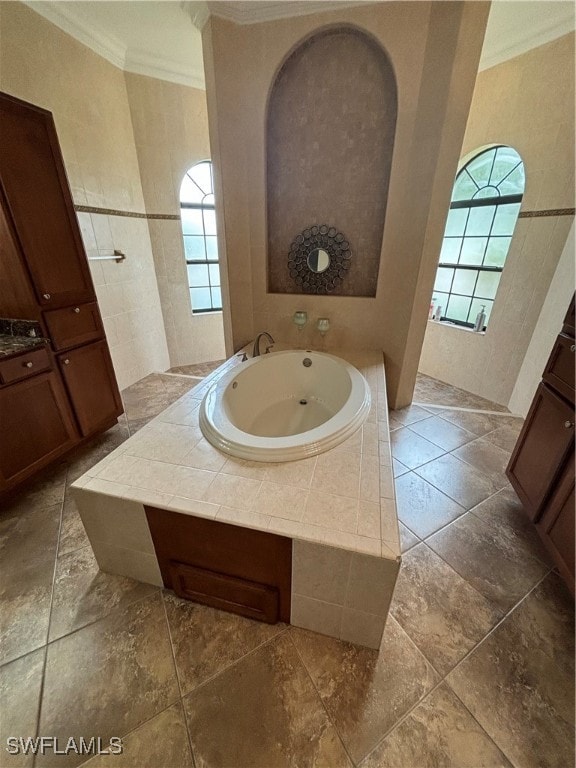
37	426
17	298
40	204
91	384
570	319
559	371
541	450
556	526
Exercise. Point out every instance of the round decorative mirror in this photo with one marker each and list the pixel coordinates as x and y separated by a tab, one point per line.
319	259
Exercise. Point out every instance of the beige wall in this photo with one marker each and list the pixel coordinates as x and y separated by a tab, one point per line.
171	133
319	118
87	96
434	49
547	329
527	103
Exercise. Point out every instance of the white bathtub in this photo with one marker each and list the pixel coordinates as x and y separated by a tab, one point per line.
285	406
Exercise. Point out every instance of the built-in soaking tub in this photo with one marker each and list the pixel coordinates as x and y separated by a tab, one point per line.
285	406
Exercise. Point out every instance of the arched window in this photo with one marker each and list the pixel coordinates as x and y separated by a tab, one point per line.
485	205
200	242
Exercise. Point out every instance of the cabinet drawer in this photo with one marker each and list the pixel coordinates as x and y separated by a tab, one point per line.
28	364
559	372
73	326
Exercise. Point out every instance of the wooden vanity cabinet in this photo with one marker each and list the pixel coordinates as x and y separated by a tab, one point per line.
45	277
541	468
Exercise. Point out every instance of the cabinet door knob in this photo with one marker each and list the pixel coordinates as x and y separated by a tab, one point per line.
67	362
573	348
568	424
29	364
46	296
77	310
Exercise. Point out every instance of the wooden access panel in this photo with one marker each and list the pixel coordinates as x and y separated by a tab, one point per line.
36	426
91	384
236	569
228	593
40	204
546	439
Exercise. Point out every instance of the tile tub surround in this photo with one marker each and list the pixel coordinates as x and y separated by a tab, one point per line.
338	508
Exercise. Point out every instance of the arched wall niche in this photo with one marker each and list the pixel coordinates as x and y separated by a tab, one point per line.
331	122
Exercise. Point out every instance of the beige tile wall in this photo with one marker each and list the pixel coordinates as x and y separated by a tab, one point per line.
548	326
87	96
171	134
527	103
341	593
434	49
127	294
119	534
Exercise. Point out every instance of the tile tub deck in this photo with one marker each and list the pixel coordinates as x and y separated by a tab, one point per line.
338	507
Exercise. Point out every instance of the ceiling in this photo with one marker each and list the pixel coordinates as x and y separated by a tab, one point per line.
163	39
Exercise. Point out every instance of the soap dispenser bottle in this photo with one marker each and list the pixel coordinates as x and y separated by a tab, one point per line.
480	320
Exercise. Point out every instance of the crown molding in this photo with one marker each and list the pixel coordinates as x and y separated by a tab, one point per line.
523	44
142	63
198	12
254	12
67	17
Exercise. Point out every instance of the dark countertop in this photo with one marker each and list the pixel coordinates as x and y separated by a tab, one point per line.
14	345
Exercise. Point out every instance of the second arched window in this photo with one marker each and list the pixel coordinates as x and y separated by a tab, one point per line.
200	241
485	204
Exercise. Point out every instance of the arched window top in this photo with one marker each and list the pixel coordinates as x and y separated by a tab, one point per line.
200	241
496	172
198	185
486	201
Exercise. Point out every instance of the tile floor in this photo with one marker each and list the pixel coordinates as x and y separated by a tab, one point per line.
476	667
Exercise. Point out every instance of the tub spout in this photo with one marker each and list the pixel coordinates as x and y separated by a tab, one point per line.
256	350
